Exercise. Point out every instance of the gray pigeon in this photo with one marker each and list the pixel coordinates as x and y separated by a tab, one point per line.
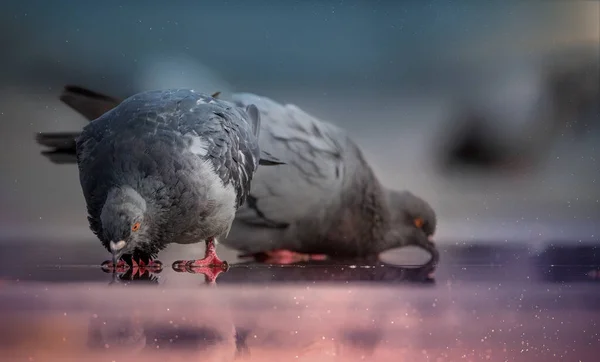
340	209
168	166
326	200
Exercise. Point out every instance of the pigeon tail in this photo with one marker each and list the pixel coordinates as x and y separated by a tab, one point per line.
88	103
62	144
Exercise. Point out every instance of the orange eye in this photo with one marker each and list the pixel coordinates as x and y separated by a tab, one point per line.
135	226
419	222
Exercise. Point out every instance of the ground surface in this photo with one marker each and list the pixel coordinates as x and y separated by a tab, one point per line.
496	303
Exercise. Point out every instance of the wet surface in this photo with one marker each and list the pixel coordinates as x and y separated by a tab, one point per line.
481	303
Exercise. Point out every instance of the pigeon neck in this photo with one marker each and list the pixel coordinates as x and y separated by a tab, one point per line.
395	237
397	234
362	215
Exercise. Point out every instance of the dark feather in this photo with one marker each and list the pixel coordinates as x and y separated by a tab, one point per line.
267	159
62	144
88	103
60	157
58	140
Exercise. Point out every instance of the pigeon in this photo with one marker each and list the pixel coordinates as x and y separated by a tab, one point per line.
168	166
340	209
325	202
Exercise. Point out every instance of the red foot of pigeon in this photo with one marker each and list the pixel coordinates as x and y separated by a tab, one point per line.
210	273
211	266
108	266
281	256
138	267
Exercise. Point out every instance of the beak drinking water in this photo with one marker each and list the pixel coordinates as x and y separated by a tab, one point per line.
117	250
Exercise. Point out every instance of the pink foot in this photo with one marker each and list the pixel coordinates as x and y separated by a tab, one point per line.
281	256
108	266
210	273
139	267
211	266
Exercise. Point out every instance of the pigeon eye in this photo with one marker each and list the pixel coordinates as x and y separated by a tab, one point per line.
419	222
135	226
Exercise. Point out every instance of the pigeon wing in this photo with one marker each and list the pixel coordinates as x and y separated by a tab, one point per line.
222	133
311	178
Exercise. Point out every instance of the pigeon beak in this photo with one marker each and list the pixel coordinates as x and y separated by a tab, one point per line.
117	250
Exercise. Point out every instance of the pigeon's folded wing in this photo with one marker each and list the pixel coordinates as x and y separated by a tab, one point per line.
312	176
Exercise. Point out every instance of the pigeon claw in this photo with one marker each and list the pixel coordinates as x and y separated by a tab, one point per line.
141	268
211	266
187	265
108	266
210	272
281	256
137	266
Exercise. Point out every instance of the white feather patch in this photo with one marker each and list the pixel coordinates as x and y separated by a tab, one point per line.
242	157
198	146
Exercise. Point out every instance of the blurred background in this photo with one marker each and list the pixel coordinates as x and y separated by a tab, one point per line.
488	109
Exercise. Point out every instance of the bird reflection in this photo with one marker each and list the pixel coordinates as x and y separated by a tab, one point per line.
224	339
131	275
132	335
328	271
129	334
120	333
130	271
325	271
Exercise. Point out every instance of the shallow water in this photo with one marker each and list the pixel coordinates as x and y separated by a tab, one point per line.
480	303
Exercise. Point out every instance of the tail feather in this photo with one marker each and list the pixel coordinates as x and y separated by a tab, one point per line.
88	103
63	146
60	157
58	140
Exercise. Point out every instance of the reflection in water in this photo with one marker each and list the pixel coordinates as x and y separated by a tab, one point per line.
134	336
130	334
226	339
300	322
326	271
212	339
133	275
124	334
488	303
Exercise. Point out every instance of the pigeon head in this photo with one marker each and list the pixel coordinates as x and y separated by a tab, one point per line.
413	222
124	223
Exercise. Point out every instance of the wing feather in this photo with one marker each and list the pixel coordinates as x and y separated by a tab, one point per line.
311	179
